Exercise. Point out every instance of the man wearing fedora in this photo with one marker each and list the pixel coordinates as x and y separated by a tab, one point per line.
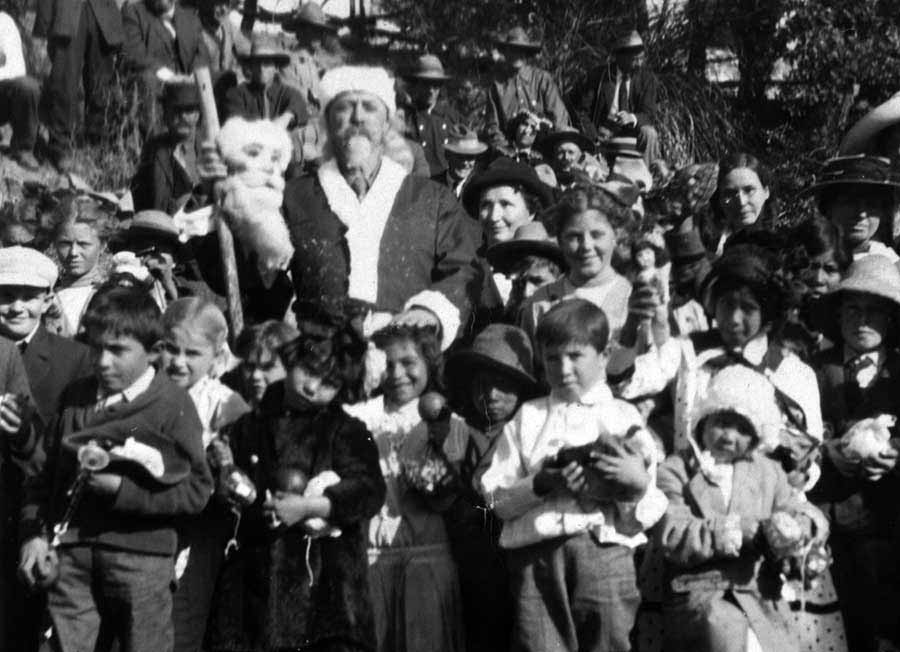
570	154
428	117
168	165
263	96
519	86
619	98
464	153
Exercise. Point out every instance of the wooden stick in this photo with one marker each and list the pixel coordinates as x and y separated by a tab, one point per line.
226	239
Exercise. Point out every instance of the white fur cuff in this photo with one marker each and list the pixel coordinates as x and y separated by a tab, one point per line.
443	308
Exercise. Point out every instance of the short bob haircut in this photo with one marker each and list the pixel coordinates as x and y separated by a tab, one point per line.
123	312
263	339
727	419
585	198
573	321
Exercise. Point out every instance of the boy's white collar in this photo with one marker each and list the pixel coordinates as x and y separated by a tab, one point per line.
597	394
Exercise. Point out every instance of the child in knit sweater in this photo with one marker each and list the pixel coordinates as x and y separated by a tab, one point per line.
573	478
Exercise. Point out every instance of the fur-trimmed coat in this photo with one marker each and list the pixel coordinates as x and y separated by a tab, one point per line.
263	600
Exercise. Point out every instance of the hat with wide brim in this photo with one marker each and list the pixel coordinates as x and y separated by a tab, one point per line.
529	239
146	225
517	38
505	172
428	68
500	347
874	275
264	49
310	14
547	144
858	170
630	42
137	450
621	146
463	141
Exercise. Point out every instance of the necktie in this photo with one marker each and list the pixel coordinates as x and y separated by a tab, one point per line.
861	370
22	345
623	93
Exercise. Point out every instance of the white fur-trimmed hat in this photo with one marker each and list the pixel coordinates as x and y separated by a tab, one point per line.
368	79
747	392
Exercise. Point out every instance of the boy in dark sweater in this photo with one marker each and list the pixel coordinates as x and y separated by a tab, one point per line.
116	560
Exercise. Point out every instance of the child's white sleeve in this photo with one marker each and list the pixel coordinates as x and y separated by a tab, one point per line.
507	485
653	370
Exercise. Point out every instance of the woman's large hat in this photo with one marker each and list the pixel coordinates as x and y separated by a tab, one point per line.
501	347
859	170
505	172
264	48
529	239
547	144
428	68
310	14
518	38
874	275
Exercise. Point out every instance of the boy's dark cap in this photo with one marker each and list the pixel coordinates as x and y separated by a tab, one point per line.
685	248
529	240
137	450
500	347
505	172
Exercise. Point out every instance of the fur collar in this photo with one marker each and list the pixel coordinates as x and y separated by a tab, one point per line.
365	220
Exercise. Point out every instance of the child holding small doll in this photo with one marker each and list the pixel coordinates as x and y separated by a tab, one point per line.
573	478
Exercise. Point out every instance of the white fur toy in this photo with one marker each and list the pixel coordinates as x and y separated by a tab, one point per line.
319	527
257	154
867	438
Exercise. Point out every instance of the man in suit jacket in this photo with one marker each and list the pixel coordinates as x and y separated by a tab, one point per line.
163	40
168	167
619	98
83	37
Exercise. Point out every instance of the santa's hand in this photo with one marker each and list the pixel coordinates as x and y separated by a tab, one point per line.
417	318
210	166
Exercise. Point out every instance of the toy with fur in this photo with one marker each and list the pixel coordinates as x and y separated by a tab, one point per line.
257	154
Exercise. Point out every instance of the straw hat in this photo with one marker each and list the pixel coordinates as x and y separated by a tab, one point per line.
517	38
310	14
264	48
501	347
529	239
505	172
149	225
464	142
630	42
428	68
875	275
547	144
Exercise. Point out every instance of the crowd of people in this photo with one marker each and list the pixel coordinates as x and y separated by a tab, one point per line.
507	386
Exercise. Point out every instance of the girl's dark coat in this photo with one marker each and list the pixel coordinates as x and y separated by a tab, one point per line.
264	600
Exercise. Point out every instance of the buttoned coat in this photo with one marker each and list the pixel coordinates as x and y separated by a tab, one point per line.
149	45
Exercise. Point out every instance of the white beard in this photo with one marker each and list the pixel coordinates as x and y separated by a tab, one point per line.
359	155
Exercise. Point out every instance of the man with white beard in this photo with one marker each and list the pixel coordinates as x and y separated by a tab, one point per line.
365	229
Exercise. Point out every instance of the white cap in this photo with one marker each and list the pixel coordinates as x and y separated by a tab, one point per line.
26	266
368	79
